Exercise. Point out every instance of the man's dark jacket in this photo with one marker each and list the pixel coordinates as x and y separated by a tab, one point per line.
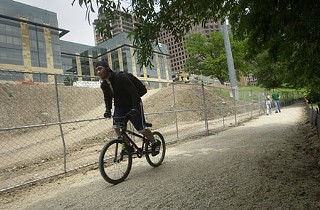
125	94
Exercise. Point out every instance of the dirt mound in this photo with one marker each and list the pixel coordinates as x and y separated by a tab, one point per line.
23	104
188	102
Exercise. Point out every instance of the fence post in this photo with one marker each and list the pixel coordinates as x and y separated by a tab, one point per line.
235	106
251	103
261	103
223	123
174	109
318	124
60	125
205	109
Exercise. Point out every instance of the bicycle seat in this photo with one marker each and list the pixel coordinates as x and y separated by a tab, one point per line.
148	124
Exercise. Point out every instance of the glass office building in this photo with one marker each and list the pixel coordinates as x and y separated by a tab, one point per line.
29	39
30	42
119	53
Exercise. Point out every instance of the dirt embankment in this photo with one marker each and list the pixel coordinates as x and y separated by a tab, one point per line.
22	104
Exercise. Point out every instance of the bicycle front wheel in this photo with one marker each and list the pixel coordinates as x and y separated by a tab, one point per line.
156	160
115	162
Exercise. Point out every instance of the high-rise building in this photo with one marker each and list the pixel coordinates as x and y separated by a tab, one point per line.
122	24
177	51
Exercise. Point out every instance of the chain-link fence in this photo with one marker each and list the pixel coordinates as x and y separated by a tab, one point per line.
54	124
314	116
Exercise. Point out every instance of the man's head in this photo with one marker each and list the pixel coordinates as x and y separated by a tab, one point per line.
103	70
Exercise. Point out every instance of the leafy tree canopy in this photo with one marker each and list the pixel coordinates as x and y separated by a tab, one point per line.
266	71
288	30
177	16
208	55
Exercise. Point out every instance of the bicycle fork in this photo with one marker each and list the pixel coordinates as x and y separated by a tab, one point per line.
117	159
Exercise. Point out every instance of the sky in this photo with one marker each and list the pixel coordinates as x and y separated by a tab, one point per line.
71	18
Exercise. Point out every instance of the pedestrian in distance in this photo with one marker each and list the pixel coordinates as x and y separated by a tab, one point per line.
276	99
118	87
268	104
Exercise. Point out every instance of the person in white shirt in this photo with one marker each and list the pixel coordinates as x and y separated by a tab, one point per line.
268	104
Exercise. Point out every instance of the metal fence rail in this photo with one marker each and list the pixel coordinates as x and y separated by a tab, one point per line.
47	129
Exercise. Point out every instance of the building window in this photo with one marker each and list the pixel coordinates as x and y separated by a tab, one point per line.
37	46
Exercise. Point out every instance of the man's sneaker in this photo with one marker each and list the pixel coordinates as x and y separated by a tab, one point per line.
131	149
155	147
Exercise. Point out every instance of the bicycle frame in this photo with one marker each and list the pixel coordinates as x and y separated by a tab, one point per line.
124	135
115	169
140	150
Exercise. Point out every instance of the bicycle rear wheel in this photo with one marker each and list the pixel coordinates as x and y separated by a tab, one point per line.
115	162
156	161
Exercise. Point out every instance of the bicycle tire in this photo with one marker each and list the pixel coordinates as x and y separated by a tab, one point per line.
114	162
157	160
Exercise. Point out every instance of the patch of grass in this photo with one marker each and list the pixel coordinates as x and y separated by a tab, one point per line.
253	88
258	88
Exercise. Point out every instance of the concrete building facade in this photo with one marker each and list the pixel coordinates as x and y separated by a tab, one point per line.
122	24
29	39
30	42
119	52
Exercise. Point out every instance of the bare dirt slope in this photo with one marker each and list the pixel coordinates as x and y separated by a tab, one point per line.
23	105
268	163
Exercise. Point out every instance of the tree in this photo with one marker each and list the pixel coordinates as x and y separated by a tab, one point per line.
177	16
288	30
208	55
266	71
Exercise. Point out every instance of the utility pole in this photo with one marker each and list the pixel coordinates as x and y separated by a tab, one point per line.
232	74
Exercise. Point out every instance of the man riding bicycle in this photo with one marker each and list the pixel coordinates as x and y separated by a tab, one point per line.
119	88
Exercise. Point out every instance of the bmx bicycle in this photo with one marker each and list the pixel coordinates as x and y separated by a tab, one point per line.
115	160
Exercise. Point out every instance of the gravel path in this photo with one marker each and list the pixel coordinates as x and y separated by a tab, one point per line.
263	164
